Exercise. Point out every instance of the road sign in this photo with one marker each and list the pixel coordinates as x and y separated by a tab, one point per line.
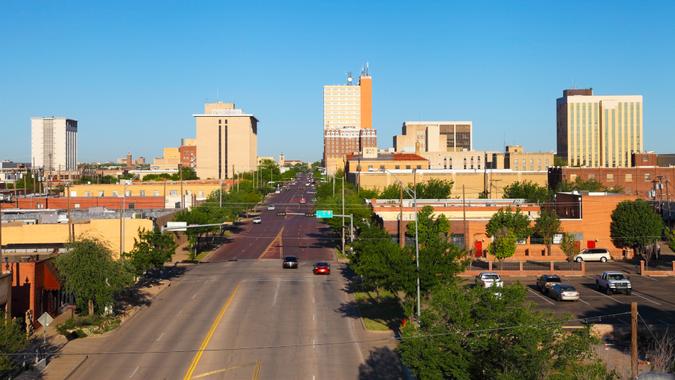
45	319
324	214
176	226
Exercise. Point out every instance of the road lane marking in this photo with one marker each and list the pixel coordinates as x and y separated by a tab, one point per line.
133	373
276	293
217	371
159	337
645	298
584	301
194	296
314	317
256	371
209	335
540	296
610	297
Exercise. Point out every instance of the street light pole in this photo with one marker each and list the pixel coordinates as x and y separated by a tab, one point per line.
343	212
417	245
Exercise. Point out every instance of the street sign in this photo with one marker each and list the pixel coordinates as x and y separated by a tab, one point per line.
324	214
45	319
176	226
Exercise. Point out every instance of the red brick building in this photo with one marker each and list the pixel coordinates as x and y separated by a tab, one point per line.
62	203
188	156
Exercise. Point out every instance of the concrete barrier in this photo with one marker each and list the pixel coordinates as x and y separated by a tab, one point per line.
656	273
521	272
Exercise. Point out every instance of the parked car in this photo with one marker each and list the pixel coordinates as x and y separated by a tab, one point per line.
593	254
563	292
546	281
489	279
270	208
257	220
613	282
321	268
290	262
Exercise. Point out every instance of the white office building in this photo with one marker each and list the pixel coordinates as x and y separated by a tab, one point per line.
54	143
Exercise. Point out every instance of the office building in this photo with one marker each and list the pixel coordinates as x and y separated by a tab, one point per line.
188	153
226	140
598	131
434	136
347	120
54	143
168	161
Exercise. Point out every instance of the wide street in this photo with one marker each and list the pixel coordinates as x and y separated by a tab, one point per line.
241	316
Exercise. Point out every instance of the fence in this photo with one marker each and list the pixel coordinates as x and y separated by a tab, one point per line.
526	268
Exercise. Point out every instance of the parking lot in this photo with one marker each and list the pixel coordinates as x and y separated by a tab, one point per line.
655	297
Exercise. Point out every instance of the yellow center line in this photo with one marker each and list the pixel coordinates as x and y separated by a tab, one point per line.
256	370
209	335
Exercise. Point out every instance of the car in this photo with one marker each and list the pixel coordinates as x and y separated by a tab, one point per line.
563	292
257	220
489	279
270	208
321	267
290	262
544	282
277	191
593	254
613	282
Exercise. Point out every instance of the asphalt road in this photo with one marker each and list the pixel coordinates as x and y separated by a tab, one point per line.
241	316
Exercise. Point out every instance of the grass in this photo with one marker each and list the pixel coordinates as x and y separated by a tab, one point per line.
379	314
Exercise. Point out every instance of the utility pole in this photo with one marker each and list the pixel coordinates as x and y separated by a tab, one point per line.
633	340
670	220
417	246
220	194
464	215
333	180
182	197
343	212
401	232
70	222
124	198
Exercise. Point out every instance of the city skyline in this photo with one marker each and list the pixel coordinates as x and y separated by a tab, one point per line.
120	78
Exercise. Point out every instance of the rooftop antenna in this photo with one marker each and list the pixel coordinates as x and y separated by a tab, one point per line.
349	78
364	72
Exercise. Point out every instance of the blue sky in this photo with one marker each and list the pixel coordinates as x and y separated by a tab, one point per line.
134	72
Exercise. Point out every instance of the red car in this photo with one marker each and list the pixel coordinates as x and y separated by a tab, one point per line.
321	268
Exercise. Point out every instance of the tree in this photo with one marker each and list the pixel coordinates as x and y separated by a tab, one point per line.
12	340
185	173
431	231
635	225
568	245
151	250
527	190
504	245
89	272
514	221
434	189
476	334
393	191
547	226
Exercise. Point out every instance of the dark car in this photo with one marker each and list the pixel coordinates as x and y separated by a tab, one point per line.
544	282
290	262
321	268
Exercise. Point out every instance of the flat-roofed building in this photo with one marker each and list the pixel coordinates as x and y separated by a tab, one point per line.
598	131
434	136
54	143
226	140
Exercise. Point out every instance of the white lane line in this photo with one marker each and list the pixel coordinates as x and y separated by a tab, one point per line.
610	297
179	312
133	373
645	298
540	296
276	293
314	317
194	296
649	278
584	302
159	337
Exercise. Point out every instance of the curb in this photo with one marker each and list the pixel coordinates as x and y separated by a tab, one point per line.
72	371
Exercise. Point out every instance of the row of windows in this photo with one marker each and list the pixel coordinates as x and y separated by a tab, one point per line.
609	177
141	193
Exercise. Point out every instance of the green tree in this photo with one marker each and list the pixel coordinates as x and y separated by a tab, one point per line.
527	190
504	245
393	191
89	272
12	340
635	225
475	333
187	174
546	226
431	230
151	250
434	189
512	220
568	245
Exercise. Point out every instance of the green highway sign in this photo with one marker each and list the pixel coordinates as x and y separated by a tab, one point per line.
324	214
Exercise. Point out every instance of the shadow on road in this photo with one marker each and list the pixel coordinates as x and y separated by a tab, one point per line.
135	296
382	364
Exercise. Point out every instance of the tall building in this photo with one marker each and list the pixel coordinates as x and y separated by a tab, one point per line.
435	136
54	143
188	153
347	120
226	140
598	131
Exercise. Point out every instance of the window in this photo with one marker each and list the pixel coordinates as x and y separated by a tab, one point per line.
610	177
381	167
115	194
628	178
87	193
419	166
101	193
155	193
573	177
141	193
127	193
407	166
591	176
173	193
648	177
77	205
397	166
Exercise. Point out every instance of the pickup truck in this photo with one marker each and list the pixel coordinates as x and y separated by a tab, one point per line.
613	282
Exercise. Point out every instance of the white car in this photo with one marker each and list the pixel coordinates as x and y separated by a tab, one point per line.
257	220
489	279
270	208
593	254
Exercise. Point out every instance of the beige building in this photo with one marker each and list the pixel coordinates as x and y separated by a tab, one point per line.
475	182
370	160
461	160
226	141
169	160
598	131
54	143
434	136
516	158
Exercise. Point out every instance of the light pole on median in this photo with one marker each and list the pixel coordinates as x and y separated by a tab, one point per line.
413	193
